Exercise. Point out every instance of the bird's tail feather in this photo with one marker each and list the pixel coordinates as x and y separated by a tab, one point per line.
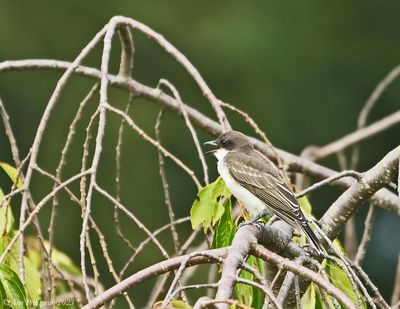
312	238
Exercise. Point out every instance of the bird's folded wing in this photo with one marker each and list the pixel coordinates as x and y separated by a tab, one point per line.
262	179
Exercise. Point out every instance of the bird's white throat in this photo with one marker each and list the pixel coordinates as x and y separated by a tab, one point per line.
220	154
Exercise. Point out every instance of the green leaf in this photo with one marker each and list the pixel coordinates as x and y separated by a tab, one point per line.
244	292
59	258
208	207
6	217
309	298
33	281
13	287
12	173
225	229
33	284
306	206
339	279
337	243
3	298
64	262
179	304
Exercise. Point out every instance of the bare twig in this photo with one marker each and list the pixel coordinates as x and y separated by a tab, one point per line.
395	299
110	29
159	288
368	106
132	217
62	162
189	125
146	241
378	299
146	137
286	286
170	294
328	180
191	287
165	185
126	63
362	248
10	134
357	136
118	178
376	94
297	292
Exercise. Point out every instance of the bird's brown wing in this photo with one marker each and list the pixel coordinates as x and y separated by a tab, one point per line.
262	179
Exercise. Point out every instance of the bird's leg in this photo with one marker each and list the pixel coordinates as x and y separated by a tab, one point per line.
243	212
273	219
261	214
255	221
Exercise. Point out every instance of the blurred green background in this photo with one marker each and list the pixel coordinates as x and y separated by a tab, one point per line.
302	69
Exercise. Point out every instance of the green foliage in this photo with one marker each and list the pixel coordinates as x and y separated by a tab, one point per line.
179	304
6	217
339	278
208	207
13	293
59	259
12	289
247	294
226	228
311	298
306	206
12	173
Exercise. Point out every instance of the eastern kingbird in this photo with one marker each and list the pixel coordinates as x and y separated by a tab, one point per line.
256	182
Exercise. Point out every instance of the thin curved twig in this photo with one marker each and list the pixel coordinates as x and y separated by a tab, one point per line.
146	137
368	224
165	185
189	125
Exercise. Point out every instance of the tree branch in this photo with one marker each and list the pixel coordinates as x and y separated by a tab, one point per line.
373	180
383	198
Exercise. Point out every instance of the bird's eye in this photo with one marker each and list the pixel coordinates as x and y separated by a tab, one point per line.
224	142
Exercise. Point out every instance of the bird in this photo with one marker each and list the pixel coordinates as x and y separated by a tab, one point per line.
256	182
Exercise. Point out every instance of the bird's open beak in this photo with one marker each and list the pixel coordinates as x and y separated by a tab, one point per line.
212	143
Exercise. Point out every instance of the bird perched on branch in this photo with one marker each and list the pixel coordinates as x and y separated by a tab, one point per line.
256	182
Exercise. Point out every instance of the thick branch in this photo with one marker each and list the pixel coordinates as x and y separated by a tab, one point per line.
244	238
348	203
151	272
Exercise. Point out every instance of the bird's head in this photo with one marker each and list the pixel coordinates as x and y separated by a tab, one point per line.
232	140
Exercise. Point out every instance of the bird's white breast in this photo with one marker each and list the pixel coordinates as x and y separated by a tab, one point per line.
253	205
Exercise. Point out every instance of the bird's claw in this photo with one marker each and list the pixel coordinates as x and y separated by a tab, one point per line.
258	224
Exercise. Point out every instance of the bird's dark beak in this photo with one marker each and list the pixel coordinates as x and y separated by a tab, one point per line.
212	143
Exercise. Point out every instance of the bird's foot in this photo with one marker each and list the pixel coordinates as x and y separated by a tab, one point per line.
258	224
